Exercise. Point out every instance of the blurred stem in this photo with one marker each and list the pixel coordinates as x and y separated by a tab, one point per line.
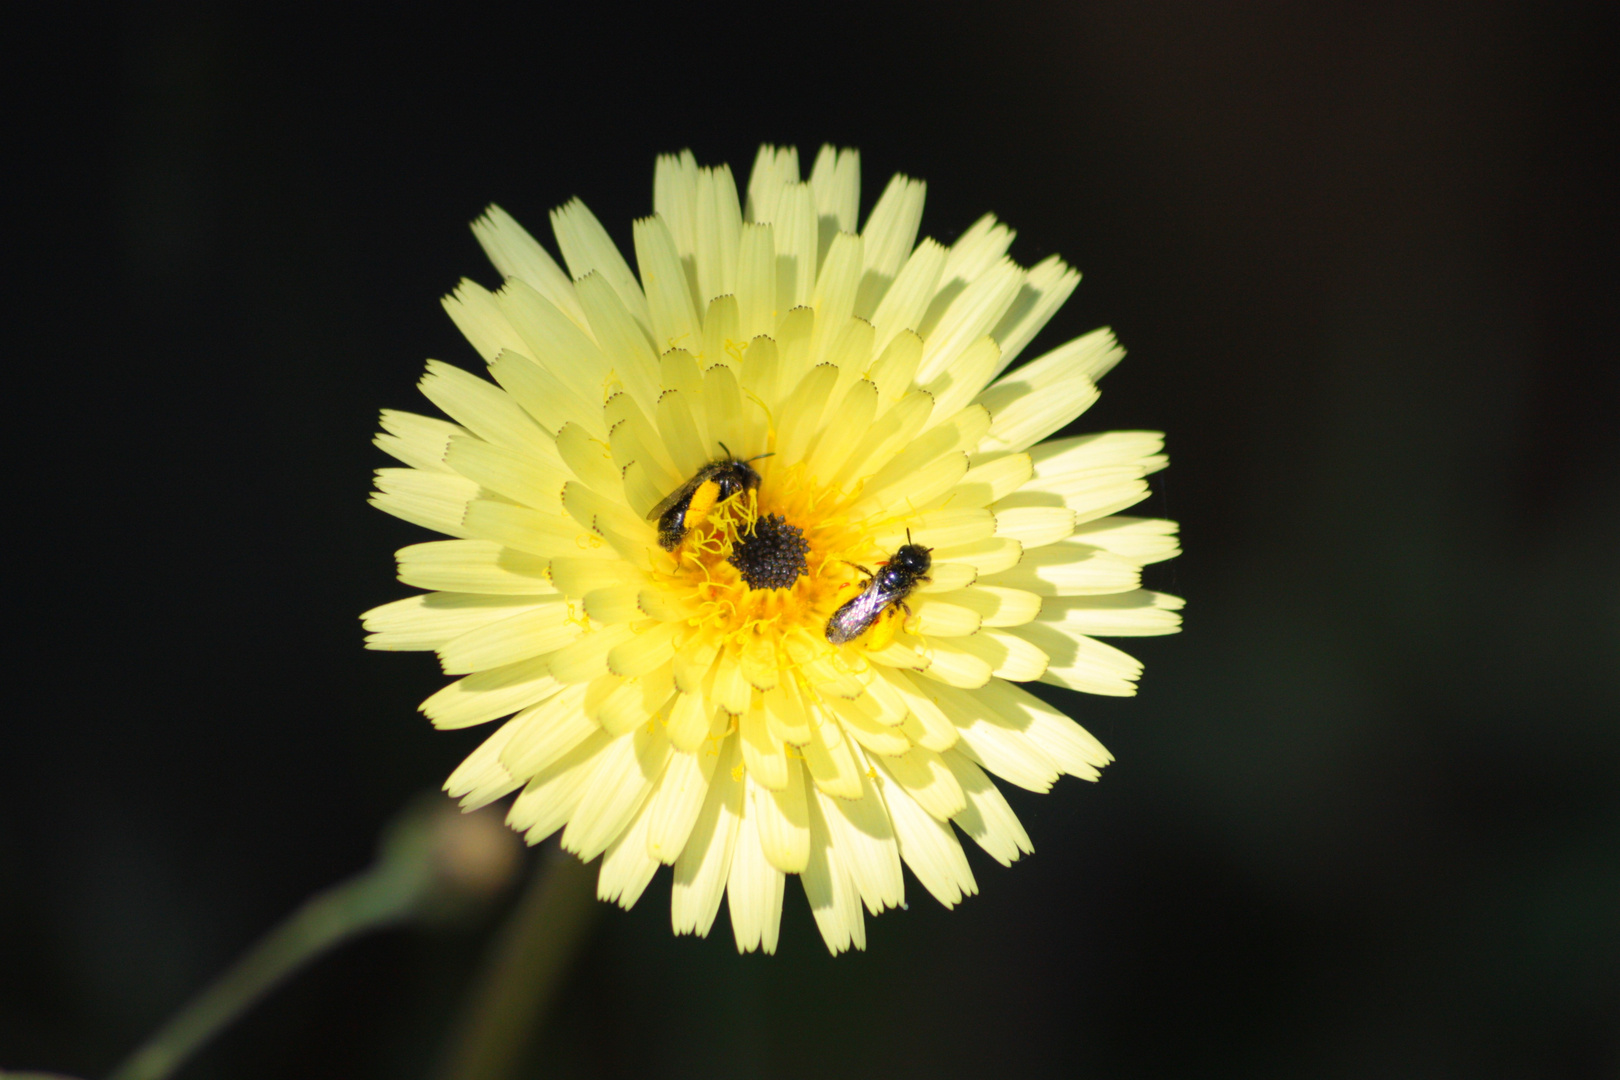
387	892
531	955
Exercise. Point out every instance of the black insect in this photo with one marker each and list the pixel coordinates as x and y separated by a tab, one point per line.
688	506
893	582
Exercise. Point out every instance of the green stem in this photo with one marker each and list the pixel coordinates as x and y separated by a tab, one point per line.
532	953
386	893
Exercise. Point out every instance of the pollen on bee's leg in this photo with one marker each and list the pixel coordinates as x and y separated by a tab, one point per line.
702	501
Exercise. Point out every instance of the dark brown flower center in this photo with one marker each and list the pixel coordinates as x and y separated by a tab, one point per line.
772	556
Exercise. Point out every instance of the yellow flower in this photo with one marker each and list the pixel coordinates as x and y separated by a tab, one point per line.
686	706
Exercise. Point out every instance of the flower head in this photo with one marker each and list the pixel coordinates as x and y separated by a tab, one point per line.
678	476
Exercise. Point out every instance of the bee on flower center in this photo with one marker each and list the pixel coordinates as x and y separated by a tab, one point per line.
887	588
689	505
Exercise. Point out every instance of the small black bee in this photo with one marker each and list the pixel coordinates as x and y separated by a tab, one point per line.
889	586
688	506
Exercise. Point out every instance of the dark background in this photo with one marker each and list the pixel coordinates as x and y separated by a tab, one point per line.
1365	819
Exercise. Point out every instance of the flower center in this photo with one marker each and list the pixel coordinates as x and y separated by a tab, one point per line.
772	555
771	563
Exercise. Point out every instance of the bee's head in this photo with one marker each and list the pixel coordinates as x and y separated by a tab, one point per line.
736	474
912	558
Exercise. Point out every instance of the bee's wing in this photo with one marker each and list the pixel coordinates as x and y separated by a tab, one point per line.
865	608
668	502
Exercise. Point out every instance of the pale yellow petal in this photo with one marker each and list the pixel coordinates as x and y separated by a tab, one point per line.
623	777
430	620
578	576
544	396
1049	283
992	555
586	657
1067	569
1092	494
754	887
782	820
1082	663
978	249
1138	613
539	533
830	888
832	762
644	652
526	476
905	303
1141	540
927	779
675	806
1010	654
625	340
800	419
951	664
704	863
1061	459
775	167
622	704
675	181
995	605
927	724
690	716
418	441
588	458
797	241
893	432
586	247
627	868
726	686
718	227
481	778
998	745
941	529
1035	526
554	341
545	733
483	408
794	332
891	230
851	421
674	313
987	818
516	254
474	311
551	796
1068	745
863	833
959	382
928	846
433	500
756	281
970	316
486	695
785	713
991	478
764	755
937	618
836	180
